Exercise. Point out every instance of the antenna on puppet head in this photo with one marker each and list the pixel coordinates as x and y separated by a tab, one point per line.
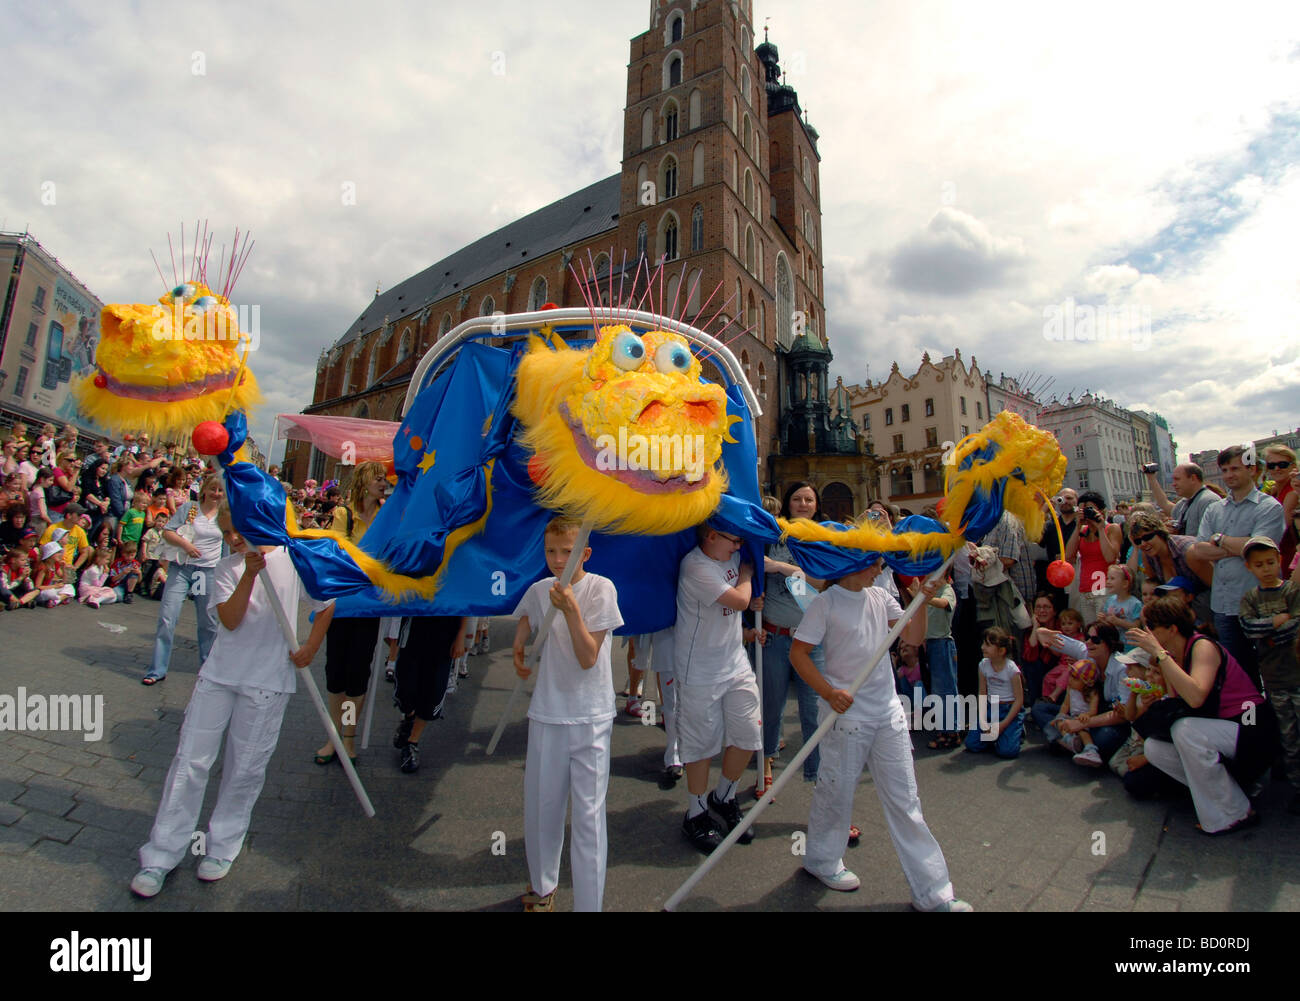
229	269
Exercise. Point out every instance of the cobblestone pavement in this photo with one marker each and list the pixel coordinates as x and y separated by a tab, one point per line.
1022	835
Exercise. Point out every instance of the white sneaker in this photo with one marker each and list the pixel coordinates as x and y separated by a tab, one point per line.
212	869
148	882
1072	741
1089	756
843	880
948	905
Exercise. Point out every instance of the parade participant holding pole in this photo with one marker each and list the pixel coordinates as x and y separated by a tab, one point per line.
718	702
244	688
350	646
848	619
570	720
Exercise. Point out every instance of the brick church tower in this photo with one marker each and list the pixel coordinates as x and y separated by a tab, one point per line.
720	180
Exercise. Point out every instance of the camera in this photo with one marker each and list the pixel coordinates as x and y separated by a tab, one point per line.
1150	467
1091	513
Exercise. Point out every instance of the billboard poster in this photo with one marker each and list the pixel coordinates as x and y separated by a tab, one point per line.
71	335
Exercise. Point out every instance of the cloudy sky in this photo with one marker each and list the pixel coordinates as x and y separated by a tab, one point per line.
987	168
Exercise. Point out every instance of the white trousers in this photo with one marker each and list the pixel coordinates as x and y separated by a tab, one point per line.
1193	759
885	748
672	756
567	761
249	719
662	644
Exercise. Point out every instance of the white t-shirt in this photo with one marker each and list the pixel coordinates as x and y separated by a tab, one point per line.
708	643
207	536
564	692
850	625
255	653
999	682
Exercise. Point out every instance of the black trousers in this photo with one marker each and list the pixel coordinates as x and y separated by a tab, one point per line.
349	649
424	665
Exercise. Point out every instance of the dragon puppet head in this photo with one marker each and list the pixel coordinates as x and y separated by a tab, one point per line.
169	365
626	432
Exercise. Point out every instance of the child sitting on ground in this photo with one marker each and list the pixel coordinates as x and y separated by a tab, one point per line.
16	587
1145	684
1080	704
93	589
1001	685
124	574
50	578
570	720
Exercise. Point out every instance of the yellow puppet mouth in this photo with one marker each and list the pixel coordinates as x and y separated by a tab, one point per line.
655	463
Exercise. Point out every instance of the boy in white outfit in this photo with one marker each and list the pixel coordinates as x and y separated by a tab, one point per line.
241	694
717	700
570	719
850	620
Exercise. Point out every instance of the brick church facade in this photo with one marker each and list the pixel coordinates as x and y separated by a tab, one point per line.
720	181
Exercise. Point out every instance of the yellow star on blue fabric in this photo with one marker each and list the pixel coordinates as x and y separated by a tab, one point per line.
427	462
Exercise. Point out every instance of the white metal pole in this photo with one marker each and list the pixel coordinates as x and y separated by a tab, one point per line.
543	631
915	606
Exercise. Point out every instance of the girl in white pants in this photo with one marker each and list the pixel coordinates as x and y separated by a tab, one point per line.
240	697
850	620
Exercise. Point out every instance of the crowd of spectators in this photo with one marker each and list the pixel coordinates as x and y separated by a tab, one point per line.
83	522
1172	656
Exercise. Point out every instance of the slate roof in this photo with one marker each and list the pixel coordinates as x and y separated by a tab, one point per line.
572	219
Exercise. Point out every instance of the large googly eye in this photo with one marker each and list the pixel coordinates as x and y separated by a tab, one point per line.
183	291
628	352
203	303
672	357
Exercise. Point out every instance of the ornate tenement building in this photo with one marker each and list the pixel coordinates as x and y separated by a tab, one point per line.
719	179
910	421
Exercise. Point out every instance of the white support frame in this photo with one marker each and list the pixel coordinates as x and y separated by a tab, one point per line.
512	324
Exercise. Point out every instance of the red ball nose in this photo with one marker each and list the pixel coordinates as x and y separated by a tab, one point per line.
210	438
1060	573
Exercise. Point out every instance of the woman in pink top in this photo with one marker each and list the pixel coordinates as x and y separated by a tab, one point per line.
1098	544
1227	718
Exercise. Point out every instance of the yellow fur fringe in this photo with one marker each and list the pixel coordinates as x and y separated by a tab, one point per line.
1030	449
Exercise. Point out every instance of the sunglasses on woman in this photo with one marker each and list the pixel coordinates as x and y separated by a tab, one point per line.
1284	464
1139	539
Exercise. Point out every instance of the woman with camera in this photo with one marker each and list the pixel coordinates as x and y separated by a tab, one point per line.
1099	545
